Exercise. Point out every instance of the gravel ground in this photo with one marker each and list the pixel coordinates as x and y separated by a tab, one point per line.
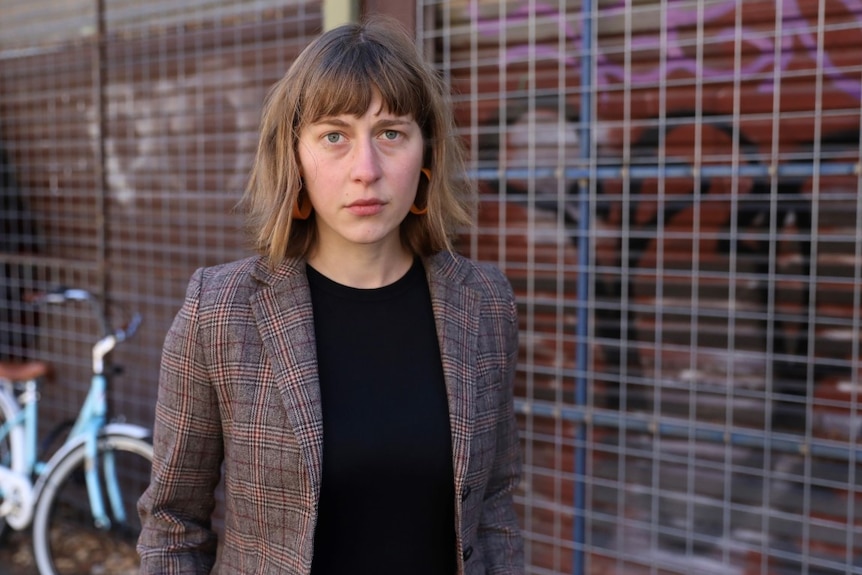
16	554
84	552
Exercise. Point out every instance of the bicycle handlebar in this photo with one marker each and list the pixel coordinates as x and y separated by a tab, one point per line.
63	294
130	328
59	295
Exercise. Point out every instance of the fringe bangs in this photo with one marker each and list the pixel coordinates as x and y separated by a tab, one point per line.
346	85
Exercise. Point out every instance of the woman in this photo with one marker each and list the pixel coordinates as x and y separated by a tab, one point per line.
352	383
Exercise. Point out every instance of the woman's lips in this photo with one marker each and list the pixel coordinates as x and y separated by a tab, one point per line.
365	207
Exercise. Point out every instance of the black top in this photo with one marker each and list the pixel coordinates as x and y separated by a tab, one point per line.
387	495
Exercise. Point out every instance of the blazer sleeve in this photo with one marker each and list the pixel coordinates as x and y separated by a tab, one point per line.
176	508
499	531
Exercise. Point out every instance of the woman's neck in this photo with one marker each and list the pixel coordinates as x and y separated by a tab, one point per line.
362	268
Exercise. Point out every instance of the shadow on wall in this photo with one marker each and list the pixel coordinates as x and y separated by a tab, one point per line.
18	238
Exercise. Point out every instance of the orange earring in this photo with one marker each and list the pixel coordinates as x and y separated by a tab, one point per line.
301	210
414	209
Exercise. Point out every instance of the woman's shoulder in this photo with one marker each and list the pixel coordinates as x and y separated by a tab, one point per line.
482	276
236	280
225	276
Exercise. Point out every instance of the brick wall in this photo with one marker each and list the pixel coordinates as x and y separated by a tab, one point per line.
719	303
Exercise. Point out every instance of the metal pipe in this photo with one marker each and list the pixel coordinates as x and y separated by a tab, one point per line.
100	172
583	283
645	423
618	171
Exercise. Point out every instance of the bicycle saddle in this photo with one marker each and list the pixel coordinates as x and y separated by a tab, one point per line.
23	371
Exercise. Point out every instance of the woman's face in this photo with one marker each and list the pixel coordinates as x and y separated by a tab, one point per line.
361	175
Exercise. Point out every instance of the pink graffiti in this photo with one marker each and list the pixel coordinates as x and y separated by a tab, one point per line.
796	32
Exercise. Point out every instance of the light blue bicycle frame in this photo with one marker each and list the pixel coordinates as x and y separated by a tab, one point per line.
91	419
86	430
28	417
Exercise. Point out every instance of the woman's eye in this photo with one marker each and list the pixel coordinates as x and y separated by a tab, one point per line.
390	134
333	138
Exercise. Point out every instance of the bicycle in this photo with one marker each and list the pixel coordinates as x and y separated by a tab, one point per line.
81	500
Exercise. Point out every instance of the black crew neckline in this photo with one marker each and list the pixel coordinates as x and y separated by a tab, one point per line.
395	289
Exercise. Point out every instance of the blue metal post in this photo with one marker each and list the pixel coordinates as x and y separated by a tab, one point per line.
582	349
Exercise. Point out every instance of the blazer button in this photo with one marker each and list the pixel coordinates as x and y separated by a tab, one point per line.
468	552
465	492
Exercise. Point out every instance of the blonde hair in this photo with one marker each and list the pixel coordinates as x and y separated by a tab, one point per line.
339	73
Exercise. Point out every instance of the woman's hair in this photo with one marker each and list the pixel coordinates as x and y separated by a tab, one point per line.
339	73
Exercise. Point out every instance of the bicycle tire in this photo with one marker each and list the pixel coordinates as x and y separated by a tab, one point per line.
65	537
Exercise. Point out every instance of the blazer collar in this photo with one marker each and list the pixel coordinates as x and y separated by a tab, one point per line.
282	308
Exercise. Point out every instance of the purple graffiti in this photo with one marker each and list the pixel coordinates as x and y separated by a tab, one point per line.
796	31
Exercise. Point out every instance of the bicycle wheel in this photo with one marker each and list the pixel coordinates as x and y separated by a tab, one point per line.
66	539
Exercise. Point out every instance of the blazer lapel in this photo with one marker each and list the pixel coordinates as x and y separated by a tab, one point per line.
456	314
283	312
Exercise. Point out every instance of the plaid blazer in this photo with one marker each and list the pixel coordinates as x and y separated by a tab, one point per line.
239	400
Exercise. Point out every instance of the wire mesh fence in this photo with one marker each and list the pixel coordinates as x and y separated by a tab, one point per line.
683	178
672	186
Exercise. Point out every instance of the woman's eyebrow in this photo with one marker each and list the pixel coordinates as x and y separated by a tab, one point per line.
330	121
337	122
387	122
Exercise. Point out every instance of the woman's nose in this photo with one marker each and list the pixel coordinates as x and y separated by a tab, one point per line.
366	161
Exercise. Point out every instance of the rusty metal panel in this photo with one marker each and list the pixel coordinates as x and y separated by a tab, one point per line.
128	148
30	24
133	16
